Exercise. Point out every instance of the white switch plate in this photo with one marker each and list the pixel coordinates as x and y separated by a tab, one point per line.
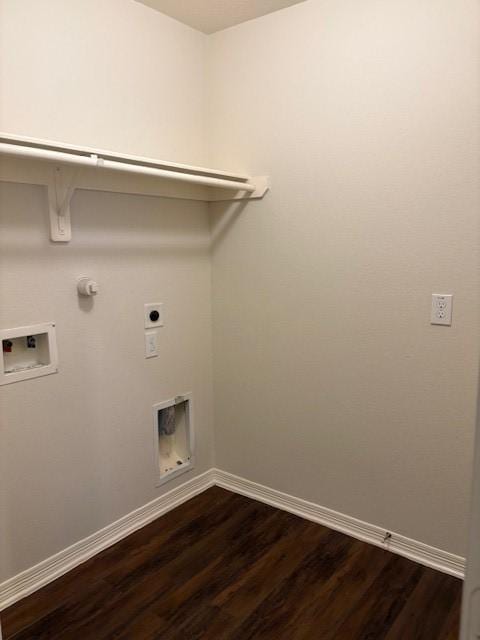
441	309
151	347
148	309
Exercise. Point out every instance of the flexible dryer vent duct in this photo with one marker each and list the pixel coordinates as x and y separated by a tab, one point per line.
166	421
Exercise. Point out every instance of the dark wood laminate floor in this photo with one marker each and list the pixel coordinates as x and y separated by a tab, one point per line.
222	566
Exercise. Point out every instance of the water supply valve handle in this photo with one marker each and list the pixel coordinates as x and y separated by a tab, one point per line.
7	346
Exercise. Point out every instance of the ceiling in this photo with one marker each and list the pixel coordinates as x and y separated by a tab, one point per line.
213	15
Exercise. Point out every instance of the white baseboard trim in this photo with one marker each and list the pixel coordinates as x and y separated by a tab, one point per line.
25	583
30	580
412	549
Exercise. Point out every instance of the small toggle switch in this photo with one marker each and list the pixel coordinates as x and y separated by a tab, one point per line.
151	347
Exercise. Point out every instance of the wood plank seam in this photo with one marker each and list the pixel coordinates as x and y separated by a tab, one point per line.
32	579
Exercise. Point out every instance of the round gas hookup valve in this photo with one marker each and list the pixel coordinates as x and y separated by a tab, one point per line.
87	287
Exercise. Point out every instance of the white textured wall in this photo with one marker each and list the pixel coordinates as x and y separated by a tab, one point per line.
76	448
110	74
330	383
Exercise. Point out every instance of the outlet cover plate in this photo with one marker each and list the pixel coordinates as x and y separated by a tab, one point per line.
148	309
441	309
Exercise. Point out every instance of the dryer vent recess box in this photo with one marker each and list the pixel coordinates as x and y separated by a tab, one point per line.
173	437
28	352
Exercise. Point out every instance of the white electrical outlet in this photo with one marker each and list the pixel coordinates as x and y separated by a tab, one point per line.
441	309
151	347
153	315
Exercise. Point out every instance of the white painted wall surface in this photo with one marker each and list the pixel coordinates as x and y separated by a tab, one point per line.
76	448
110	74
330	383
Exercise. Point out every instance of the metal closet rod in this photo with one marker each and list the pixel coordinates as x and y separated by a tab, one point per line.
93	160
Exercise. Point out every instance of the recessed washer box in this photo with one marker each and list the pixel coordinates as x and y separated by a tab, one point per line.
28	352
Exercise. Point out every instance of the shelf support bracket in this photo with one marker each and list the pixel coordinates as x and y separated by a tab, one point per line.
60	192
